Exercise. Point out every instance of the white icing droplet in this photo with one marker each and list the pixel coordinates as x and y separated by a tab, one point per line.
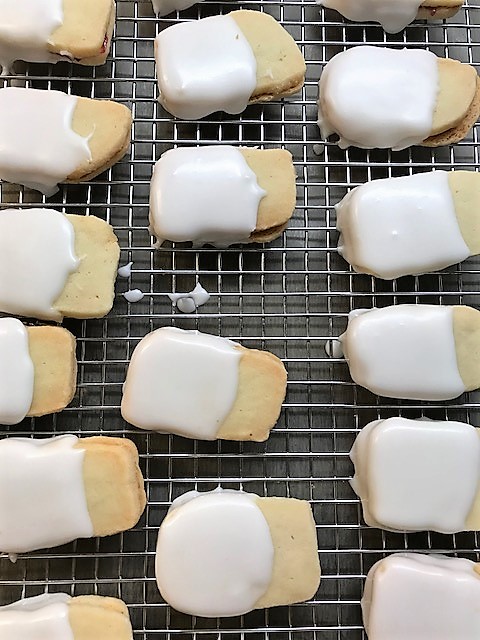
164	7
205	66
133	295
16	372
393	15
214	554
125	271
333	349
189	302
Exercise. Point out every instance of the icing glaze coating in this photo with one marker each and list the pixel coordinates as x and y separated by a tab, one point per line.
393	15
405	351
422	597
38	147
417	475
401	226
25	30
204	195
184	380
16	372
164	7
204	66
375	97
189	302
44	616
214	554
42	494
37	254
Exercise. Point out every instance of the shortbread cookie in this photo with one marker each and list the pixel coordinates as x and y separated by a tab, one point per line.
411	595
202	386
389	98
231	61
52	30
38	370
222	195
54	265
410	225
64	488
393	15
225	553
58	615
416	352
418	475
50	137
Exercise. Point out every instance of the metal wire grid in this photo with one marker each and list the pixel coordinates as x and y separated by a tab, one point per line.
289	297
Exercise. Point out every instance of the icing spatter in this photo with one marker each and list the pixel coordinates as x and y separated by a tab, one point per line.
125	271
134	295
189	302
164	7
16	372
182	382
42	494
204	66
422	598
214	554
393	15
401	226
405	351
26	27
417	475
44	616
37	254
204	195
375	97
38	147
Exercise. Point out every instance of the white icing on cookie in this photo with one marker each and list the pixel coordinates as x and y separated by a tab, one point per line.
164	7
401	226
405	351
25	30
214	554
205	66
37	255
417	475
204	195
182	382
393	15
44	616
39	148
42	494
374	97
16	372
422	597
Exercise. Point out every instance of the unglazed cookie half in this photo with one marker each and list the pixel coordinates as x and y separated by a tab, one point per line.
49	137
410	225
203	386
416	352
375	97
418	475
232	60
225	553
58	615
54	265
222	195
63	488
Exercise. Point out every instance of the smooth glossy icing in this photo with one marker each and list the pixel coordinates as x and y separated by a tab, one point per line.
125	271
38	147
37	255
379	97
134	295
416	475
185	381
401	226
422	597
405	351
164	7
16	372
393	15
189	302
37	618
214	554
204	195
25	30
205	66
42	494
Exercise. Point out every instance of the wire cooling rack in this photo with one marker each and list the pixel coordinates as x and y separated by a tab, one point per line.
289	297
